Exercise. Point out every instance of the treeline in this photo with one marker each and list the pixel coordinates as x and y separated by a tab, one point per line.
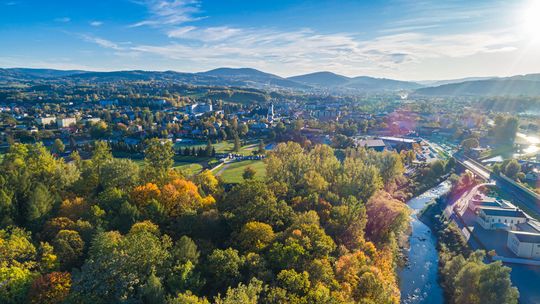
105	230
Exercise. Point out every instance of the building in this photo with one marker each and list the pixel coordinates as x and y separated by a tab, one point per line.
198	108
66	122
375	144
524	244
270	113
400	143
488	202
327	114
500	218
44	121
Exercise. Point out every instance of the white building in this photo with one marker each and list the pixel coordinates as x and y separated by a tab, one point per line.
198	108
500	218
46	120
524	244
66	122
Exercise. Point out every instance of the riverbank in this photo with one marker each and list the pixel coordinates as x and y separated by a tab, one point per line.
419	282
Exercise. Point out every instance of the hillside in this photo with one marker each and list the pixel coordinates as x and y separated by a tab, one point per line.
321	79
511	86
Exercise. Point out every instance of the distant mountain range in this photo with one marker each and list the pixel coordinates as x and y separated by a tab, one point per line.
522	85
528	85
362	83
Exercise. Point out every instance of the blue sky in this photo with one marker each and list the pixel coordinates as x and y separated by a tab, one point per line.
403	39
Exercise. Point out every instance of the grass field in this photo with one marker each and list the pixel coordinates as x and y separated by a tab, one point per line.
222	147
233	172
189	168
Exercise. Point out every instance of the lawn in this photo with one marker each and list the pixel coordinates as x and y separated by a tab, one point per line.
233	172
189	168
222	146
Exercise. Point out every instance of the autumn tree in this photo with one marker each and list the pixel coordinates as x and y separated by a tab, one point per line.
51	288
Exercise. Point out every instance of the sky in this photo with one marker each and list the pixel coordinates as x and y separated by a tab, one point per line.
400	39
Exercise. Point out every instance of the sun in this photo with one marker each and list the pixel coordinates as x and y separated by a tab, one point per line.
529	20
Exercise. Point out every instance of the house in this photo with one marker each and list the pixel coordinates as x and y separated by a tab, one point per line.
66	122
500	218
44	121
375	144
524	244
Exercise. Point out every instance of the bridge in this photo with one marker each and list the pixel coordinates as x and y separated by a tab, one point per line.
523	197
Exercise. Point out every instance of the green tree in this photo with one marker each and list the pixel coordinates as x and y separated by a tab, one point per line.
242	294
158	159
224	267
512	169
237	144
69	247
58	146
255	236
39	205
249	173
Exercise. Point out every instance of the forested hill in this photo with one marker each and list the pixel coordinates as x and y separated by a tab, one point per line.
527	85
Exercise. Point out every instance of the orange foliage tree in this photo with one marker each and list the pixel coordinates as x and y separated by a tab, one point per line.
182	196
50	288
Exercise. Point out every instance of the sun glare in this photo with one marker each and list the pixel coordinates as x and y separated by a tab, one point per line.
529	20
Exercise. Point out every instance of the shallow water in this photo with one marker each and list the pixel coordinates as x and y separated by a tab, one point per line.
418	279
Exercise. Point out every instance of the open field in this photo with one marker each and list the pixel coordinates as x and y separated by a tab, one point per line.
189	168
221	147
232	173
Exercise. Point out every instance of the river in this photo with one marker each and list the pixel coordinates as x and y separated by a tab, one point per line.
419	278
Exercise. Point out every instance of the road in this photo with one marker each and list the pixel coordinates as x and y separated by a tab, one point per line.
519	195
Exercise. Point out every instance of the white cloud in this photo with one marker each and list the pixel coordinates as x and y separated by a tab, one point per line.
306	50
168	12
103	42
96	23
63	19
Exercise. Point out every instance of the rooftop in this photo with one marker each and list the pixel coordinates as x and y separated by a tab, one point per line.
371	143
527	237
490	211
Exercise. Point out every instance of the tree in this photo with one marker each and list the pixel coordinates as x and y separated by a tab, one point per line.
158	159
253	201
470	143
51	288
208	183
386	217
261	149
209	148
495	285
237	144
187	298
242	294
39	205
17	265
224	267
182	196
119	173
249	173
58	146
69	247
119	266
512	169
255	236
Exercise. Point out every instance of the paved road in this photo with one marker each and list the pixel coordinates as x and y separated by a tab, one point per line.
520	197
